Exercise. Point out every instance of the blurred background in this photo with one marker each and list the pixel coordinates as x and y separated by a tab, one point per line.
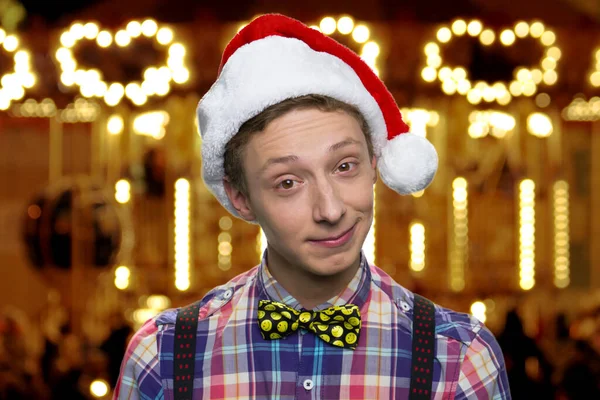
105	220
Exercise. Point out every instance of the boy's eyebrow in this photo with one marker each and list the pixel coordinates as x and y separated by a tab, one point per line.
279	160
343	143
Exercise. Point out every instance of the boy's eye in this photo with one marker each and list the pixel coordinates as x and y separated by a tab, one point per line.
287	184
344	167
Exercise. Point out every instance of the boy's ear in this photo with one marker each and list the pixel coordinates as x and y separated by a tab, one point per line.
239	200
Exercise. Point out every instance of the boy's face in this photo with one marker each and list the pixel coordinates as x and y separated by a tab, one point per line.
310	187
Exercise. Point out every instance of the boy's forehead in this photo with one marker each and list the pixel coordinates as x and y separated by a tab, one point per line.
313	128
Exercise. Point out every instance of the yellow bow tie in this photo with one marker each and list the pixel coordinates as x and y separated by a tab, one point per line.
337	325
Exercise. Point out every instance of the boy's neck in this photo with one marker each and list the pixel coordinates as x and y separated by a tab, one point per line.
308	289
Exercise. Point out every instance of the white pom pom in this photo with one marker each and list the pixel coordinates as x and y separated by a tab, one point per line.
407	163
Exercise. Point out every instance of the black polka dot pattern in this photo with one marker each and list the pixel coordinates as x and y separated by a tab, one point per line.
423	349
337	325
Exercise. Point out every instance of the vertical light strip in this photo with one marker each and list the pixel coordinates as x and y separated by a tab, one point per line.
182	234
261	243
123	191
561	235
369	244
526	234
122	275
225	247
417	246
460	243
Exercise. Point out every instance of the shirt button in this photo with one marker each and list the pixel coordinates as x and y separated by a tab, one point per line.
404	305
308	384
227	294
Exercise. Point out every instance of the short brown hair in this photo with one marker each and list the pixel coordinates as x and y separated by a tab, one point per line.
234	150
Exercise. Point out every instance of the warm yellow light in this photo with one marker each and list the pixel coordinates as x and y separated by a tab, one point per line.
182	234
104	39
515	88
561	234
152	124
428	74
164	36
459	27
595	78
449	87
177	50
527	234
134	29
123	191
149	27
527	283
474	96
66	39
550	77
496	123
444	35
474	28
417	246
115	124
99	388
537	29
328	25
63	54
122	275
360	34
548	38
542	100
370	50
114	94
522	29
345	25
122	38
431	48
181	75
225	223
539	124
529	88
434	61
444	73
554	52
507	37
459	239
225	248
77	30
487	37
90	30
464	86
548	63
419	119
479	309
11	43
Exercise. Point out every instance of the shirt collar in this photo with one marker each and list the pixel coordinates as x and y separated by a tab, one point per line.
356	292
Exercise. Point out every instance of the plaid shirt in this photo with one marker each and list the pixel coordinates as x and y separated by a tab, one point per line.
233	361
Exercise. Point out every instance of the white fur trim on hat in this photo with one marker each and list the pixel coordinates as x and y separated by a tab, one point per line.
408	163
266	72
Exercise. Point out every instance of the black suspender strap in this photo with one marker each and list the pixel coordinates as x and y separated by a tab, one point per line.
184	353
423	349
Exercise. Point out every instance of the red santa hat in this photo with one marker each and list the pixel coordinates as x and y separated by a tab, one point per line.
275	58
